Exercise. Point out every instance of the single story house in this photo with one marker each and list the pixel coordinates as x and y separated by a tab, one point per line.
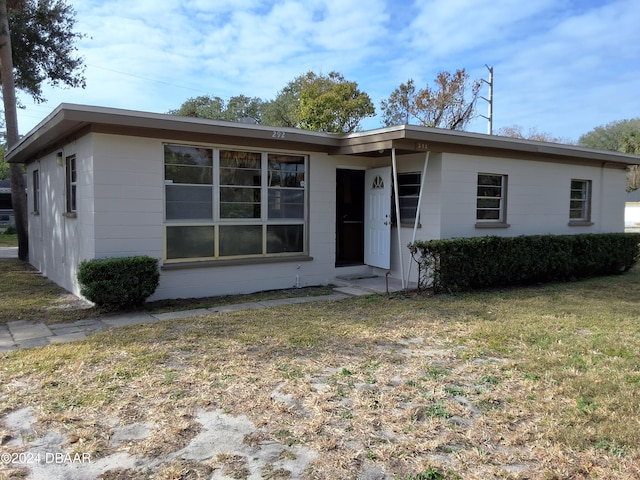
237	208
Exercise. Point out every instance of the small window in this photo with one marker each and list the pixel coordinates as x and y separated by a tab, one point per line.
36	191
491	198
408	194
580	201
71	174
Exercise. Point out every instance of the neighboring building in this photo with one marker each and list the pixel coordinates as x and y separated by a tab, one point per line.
632	212
6	206
237	208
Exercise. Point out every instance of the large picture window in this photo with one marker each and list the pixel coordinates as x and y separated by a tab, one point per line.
491	198
222	204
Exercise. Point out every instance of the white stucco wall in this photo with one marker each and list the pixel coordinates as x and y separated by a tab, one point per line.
538	195
129	196
59	242
252	277
121	212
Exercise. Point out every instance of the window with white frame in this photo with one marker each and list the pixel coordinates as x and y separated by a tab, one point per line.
36	191
491	198
71	180
223	203
408	194
580	202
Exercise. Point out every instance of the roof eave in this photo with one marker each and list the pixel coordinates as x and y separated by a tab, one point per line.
68	119
413	138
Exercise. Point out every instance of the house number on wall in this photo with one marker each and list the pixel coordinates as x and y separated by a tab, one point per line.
278	134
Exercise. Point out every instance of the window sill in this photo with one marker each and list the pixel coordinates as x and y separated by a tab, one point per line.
174	265
492	225
580	223
70	215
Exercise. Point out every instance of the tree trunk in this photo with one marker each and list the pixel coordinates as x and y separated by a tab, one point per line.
18	190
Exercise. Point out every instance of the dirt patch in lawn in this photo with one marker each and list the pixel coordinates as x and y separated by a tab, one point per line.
389	415
515	385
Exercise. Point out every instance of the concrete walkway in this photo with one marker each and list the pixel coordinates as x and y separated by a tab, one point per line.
28	334
19	334
8	252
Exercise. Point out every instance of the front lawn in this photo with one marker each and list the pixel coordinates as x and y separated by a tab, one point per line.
8	240
27	295
529	383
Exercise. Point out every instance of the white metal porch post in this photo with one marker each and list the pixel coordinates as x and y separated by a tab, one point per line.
397	205
423	180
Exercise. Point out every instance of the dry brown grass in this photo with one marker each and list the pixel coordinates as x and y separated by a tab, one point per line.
25	294
532	383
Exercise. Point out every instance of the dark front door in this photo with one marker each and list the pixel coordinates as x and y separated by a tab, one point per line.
349	217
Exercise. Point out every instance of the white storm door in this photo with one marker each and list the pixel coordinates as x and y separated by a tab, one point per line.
377	217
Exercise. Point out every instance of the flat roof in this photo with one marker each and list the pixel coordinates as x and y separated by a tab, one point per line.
71	121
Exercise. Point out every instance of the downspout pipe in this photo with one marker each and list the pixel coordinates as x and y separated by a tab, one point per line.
394	165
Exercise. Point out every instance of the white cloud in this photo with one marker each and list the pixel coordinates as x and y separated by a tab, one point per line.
445	27
560	65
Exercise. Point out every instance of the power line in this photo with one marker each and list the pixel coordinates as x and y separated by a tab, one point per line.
146	78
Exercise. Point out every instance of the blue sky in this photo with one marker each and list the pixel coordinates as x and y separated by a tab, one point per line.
560	66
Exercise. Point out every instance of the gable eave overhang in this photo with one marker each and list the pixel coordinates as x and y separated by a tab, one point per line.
70	121
407	139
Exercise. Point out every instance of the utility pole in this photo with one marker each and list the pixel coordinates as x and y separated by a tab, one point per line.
489	100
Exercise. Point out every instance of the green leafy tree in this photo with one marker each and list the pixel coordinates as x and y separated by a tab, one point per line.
282	111
43	45
242	107
4	166
203	106
215	108
619	136
631	144
330	103
610	136
450	103
40	36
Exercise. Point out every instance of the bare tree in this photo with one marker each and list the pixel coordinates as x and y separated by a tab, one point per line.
516	131
450	103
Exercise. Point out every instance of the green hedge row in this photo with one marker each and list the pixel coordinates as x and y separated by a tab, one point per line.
118	283
480	262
